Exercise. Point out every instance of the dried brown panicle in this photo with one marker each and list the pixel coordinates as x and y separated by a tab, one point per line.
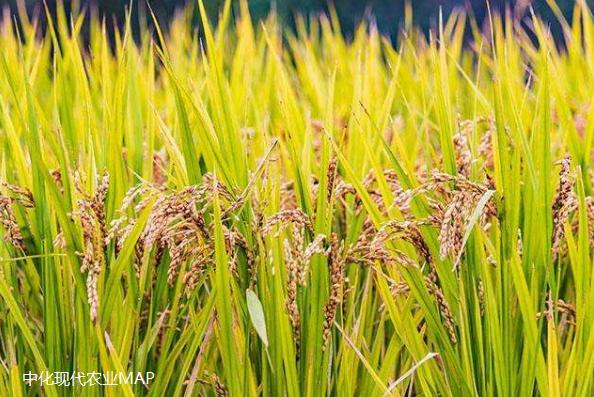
315	247
442	303
292	278
218	385
57	177
285	217
180	251
159	166
565	310
366	250
174	219
90	212
461	148
176	223
210	183
98	201
118	228
452	227
12	231
590	215
240	242
397	289
184	240
21	195
485	149
336	264
234	241
405	230
461	203
400	288
200	263
288	196
343	188
296	260
121	227
331	177
401	197
59	241
563	201
371	246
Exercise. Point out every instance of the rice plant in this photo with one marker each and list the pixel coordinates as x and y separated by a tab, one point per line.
249	211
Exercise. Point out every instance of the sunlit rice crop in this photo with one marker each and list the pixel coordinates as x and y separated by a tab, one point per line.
249	211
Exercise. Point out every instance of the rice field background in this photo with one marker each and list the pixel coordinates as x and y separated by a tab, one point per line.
253	212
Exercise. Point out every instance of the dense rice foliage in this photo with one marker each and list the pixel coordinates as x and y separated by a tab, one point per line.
260	213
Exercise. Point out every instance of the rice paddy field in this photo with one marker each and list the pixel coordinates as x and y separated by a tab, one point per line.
250	211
